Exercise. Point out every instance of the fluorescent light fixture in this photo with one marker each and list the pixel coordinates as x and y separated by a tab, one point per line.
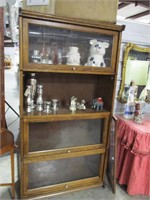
35	33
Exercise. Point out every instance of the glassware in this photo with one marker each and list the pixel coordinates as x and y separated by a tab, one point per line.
36	56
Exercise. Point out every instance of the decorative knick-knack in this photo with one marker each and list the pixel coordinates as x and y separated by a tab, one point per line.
28	102
33	83
73	104
39	101
47	107
73	56
97	104
54	104
97	52
129	110
36	56
81	106
138	116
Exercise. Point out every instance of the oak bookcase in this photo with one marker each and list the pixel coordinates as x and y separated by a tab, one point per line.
65	151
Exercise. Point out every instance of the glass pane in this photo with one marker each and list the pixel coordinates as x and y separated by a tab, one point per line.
56	135
63	170
50	45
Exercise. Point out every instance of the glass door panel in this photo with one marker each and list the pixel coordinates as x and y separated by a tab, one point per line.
58	135
57	46
64	170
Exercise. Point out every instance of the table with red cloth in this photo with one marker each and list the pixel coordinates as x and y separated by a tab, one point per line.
133	155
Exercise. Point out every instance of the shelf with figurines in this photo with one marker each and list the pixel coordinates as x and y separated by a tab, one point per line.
50	111
47	94
68	72
66	49
71	59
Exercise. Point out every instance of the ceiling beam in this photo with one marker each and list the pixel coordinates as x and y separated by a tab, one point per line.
144	3
147	12
122	5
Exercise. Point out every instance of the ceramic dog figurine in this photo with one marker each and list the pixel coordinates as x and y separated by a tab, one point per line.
97	52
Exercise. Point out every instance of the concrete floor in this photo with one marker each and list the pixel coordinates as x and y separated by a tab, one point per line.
12	97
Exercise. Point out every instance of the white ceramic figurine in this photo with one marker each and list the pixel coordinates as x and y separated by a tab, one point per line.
97	52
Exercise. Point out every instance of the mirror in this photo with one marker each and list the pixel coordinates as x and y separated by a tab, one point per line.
135	74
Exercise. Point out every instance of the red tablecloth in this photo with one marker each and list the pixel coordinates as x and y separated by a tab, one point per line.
133	155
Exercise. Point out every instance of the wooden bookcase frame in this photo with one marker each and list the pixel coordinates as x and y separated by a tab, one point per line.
104	85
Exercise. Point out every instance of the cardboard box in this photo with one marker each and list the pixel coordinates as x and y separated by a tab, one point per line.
48	9
101	10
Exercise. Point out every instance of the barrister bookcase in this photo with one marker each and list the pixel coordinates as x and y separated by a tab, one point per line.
65	150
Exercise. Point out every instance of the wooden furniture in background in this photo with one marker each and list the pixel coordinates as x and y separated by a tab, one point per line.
8	63
2	97
65	151
7	145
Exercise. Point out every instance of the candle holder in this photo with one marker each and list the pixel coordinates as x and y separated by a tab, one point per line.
28	94
54	104
39	101
33	83
47	106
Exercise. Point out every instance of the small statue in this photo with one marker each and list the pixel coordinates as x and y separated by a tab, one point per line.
73	103
129	110
138	116
73	56
132	92
98	104
97	52
81	106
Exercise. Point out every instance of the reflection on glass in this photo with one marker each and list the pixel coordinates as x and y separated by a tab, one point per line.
50	45
135	79
63	170
145	94
58	135
136	67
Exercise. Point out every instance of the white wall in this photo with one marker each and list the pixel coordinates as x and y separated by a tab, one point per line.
138	34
